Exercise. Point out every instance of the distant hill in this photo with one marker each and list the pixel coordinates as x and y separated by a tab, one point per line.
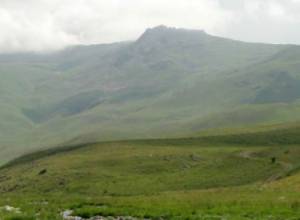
168	83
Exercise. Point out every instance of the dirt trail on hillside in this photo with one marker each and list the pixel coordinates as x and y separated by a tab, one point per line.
287	167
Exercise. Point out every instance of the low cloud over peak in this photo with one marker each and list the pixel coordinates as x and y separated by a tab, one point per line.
39	25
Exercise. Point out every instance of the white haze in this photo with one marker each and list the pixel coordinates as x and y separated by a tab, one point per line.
43	25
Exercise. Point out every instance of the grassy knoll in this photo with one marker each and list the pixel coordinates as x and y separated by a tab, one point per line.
249	175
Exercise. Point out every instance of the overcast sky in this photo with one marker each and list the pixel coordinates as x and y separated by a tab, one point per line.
38	25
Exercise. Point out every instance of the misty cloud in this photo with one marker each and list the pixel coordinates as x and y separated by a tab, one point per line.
38	25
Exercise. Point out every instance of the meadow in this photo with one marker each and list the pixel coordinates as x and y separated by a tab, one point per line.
238	174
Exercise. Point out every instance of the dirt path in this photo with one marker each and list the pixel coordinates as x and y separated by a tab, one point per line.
286	167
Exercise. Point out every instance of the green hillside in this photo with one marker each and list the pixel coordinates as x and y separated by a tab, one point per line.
238	174
168	83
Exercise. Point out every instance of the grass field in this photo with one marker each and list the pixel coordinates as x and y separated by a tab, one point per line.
246	174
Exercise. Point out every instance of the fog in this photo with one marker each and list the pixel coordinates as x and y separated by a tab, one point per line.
43	25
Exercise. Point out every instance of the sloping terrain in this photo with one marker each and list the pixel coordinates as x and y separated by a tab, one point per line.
168	83
243	174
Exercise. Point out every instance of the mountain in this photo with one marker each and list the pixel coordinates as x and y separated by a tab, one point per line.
168	83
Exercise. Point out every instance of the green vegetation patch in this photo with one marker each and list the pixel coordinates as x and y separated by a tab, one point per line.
209	177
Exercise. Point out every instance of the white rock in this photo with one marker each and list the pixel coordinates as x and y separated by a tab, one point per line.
11	209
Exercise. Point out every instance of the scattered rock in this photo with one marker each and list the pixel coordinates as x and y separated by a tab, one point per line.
167	158
42	172
67	215
11	209
185	165
273	160
246	154
195	157
4	178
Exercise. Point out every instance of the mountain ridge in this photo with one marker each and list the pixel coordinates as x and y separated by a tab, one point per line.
151	30
169	82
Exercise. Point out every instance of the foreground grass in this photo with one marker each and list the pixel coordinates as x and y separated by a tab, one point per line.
236	176
251	202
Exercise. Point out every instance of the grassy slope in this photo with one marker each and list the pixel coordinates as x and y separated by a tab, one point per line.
216	176
168	83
